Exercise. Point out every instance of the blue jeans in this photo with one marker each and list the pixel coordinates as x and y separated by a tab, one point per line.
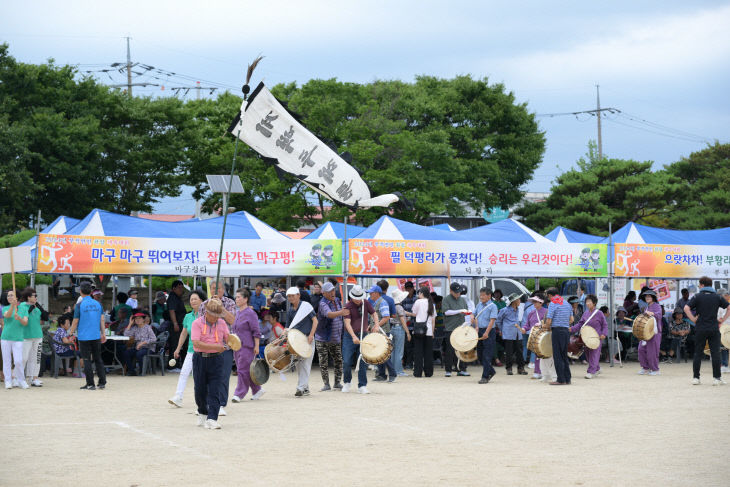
399	340
723	358
525	352
350	352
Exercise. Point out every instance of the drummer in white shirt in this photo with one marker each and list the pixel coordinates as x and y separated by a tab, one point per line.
307	324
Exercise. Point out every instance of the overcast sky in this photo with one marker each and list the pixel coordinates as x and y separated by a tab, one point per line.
664	64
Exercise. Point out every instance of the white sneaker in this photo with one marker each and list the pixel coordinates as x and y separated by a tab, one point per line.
8	385
235	399
718	382
222	412
36	383
201	420
24	385
725	370
695	382
175	401
258	395
643	372
363	390
212	424
15	383
599	371
536	376
654	372
532	365
346	387
589	376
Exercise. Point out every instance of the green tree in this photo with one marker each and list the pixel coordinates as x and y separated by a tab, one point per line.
604	190
704	200
447	145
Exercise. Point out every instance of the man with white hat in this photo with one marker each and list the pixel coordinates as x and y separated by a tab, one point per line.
508	323
329	334
356	322
302	317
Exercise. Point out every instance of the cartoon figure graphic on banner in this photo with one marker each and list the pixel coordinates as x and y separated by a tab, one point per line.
65	266
635	267
358	259
585	258
51	255
623	262
327	253
372	268
595	259
316	256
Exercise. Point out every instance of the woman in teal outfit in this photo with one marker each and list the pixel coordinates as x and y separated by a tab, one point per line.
15	320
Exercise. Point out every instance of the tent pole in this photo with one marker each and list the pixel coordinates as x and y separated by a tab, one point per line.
149	291
114	291
612	321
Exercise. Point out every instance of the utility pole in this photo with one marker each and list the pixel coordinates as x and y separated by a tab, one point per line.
598	118
129	70
197	87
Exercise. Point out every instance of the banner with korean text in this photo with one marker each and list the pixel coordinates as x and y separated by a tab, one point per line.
73	254
462	258
684	261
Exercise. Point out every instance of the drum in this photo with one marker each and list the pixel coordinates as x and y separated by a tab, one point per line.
375	348
464	338
590	337
725	335
234	342
259	372
540	342
643	327
277	355
298	344
575	347
467	357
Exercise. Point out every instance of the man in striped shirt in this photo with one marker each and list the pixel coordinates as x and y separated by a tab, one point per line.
558	319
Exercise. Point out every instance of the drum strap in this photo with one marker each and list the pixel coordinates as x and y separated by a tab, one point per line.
591	317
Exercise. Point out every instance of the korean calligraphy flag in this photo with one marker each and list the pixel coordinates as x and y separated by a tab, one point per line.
269	129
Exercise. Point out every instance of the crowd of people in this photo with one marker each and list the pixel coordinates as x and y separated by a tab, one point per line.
418	323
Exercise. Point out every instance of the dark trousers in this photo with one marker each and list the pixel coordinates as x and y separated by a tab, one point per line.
485	352
422	355
89	349
408	350
450	354
561	338
702	336
227	367
388	364
132	354
207	373
513	348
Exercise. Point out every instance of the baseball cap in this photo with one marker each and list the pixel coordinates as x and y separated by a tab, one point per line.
292	290
96	292
327	287
456	287
375	289
133	293
138	313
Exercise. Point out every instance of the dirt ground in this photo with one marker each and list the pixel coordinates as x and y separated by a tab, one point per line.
619	429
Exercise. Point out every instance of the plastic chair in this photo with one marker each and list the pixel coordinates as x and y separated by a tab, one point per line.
58	361
437	350
157	355
681	346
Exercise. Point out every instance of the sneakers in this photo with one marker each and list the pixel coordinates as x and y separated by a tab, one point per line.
201	420
509	372
346	387
654	372
301	393
337	386
88	388
36	383
235	399
536	376
464	373
380	378
101	386
175	401
531	365
402	374
212	424
8	385
448	374
258	395
222	412
483	380
725	369
521	371
589	376
325	388
718	382
363	390
643	372
392	379
695	382
15	383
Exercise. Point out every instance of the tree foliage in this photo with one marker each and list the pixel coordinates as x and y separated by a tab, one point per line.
604	190
704	200
445	144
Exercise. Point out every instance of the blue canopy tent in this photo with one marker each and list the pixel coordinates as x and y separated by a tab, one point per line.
564	235
508	230
444	226
335	230
388	228
59	225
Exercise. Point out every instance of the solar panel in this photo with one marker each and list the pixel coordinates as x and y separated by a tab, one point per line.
219	183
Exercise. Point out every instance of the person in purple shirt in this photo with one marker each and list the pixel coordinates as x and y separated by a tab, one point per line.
246	326
595	319
649	349
532	319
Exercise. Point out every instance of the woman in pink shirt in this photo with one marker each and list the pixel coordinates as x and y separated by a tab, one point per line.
209	334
